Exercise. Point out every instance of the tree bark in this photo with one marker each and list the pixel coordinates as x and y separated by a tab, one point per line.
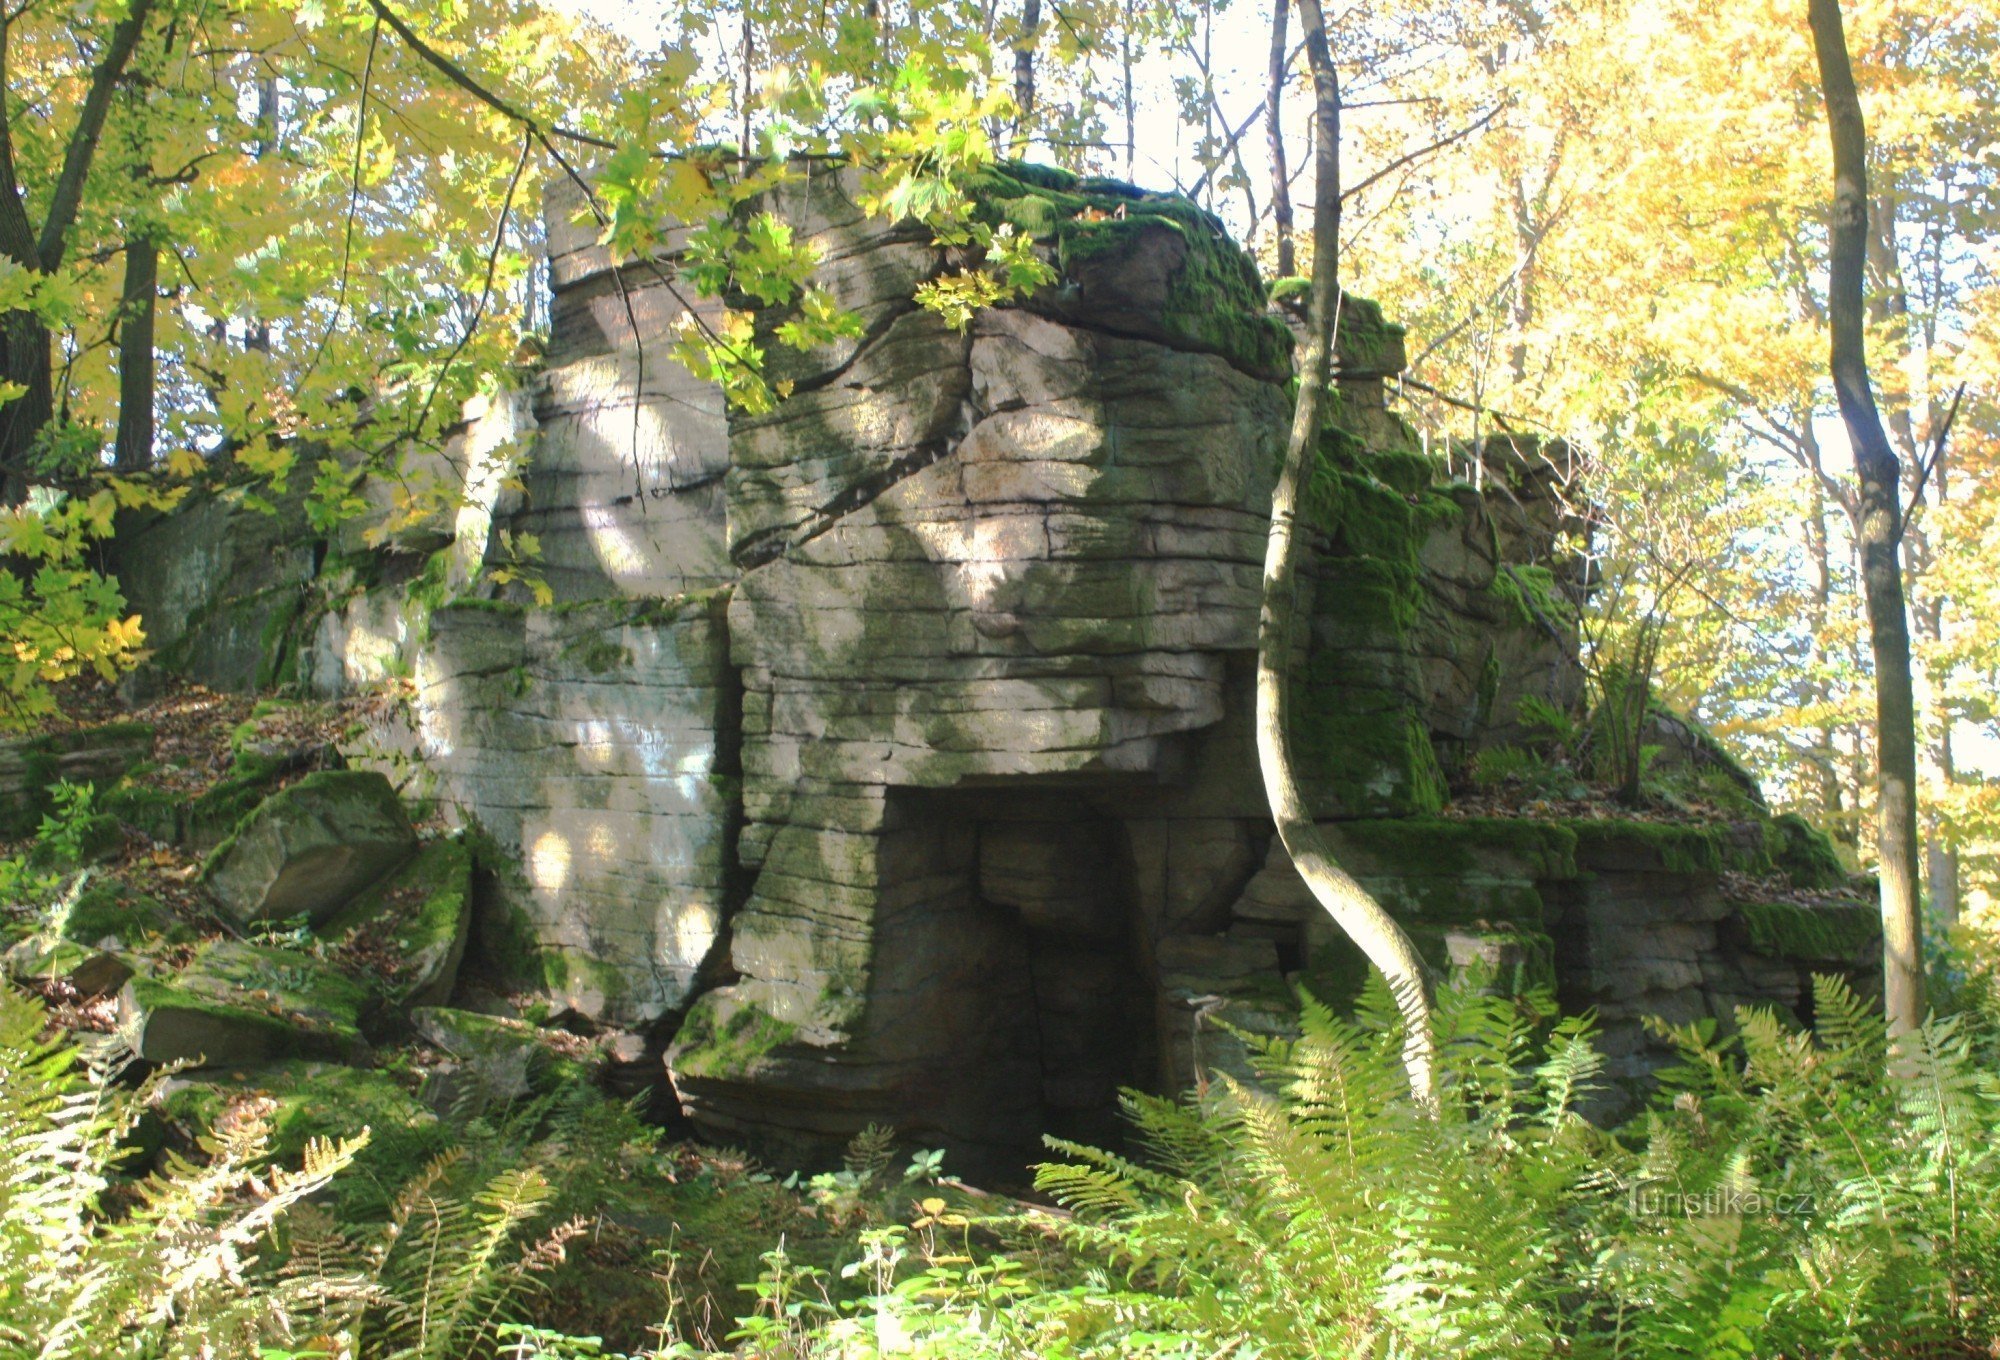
1878	528
1024	73
132	450
1274	136
24	339
1357	913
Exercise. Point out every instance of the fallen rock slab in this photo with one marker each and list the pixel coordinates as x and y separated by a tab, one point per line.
494	1060
237	1004
310	849
412	924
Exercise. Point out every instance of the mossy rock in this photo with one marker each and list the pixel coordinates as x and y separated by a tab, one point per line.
157	814
46	958
1617	845
310	849
1155	266
210	819
420	912
724	1038
1847	934
302	1101
1804	854
495	1060
107	909
237	1004
1463	847
31	766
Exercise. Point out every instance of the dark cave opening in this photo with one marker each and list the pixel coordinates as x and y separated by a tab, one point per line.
1020	939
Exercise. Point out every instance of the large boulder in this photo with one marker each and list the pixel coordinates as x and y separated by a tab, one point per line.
310	849
236	1004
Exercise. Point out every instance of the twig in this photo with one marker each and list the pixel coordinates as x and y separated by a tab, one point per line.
1935	456
353	203
485	292
1440	144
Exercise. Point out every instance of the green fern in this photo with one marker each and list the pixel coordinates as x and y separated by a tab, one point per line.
172	1264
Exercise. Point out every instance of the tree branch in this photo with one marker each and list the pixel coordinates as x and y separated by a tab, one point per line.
83	139
458	76
1440	144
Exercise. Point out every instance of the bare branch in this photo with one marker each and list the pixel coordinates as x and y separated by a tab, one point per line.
458	76
1440	144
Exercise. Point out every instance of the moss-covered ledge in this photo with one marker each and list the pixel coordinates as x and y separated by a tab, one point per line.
1154	266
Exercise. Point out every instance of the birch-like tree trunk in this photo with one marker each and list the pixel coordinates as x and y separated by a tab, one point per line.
1351	906
1878	528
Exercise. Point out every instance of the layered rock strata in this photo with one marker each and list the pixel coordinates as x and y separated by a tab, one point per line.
887	757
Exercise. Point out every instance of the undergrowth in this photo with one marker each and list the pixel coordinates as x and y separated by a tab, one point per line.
1791	1194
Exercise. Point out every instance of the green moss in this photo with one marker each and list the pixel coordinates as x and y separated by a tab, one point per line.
727	1045
153	813
1215	301
277	1032
1842	933
598	655
302	1101
1408	472
1360	734
1670	847
277	650
1530	593
280	980
1804	853
107	908
1490	675
1430	846
467	604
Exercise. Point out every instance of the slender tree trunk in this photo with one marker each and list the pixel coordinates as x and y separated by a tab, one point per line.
137	308
1357	913
257	333
1024	73
1940	856
24	361
1131	113
1878	528
1521	310
1274	136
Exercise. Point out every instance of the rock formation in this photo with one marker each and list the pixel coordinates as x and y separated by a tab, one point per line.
887	757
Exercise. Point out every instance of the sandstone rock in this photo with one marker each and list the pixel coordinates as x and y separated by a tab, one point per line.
30	766
418	915
495	1060
219	582
895	743
311	848
235	1004
89	970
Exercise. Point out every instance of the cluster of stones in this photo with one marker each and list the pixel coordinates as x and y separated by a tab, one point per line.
887	757
273	1006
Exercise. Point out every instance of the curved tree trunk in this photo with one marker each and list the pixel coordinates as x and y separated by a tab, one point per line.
1878	528
1357	913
